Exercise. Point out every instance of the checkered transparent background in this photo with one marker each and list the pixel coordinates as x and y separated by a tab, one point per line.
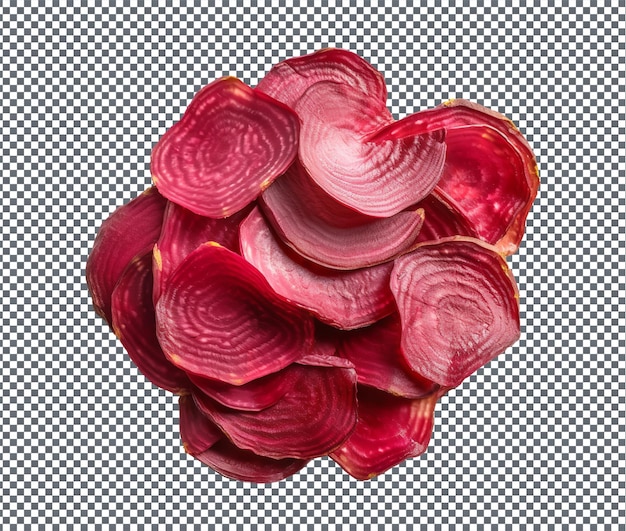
536	437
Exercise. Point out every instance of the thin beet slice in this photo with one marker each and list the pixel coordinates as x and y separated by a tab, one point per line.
182	232
458	303
376	355
345	299
219	318
313	418
290	208
442	220
390	429
197	432
230	144
288	80
375	178
130	230
134	324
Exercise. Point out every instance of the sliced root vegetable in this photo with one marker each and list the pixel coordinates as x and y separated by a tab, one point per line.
219	318
230	144
197	432
442	220
345	299
458	303
288	80
376	241
390	429
375	178
130	230
377	358
313	418
134	324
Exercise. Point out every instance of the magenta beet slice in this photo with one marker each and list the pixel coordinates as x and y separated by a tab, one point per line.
458	303
313	418
290	208
376	355
127	232
345	299
390	429
197	432
288	80
219	318
134	324
375	178
182	232
230	144
442	220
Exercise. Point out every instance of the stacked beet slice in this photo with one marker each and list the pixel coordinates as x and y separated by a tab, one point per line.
311	276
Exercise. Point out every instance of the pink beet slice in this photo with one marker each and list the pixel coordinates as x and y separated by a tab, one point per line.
458	303
134	324
345	299
230	144
290	205
182	232
219	318
288	80
390	429
197	432
379	178
130	230
313	418
376	355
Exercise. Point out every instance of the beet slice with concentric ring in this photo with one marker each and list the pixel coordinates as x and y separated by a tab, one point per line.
458	303
197	432
128	231
390	429
134	324
219	318
230	144
344	299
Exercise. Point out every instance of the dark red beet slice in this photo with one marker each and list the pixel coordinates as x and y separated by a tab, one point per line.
458	303
376	178
390	429
197	432
130	230
290	210
313	418
182	232
375	353
441	220
345	299
230	144
289	79
218	318
134	324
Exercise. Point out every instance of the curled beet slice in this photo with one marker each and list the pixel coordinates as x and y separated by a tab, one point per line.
197	432
376	178
129	231
134	324
345	299
314	417
290	208
390	429
218	318
458	303
288	80
230	144
376	355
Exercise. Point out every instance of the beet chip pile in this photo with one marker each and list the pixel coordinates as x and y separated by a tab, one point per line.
310	275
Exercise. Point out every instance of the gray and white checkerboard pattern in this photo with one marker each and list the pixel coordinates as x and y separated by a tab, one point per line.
537	437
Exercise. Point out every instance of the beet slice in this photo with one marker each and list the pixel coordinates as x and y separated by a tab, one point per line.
289	205
345	299
197	432
376	178
219	318
442	220
390	429
458	303
127	232
376	355
134	324
230	144
313	418
288	80
182	232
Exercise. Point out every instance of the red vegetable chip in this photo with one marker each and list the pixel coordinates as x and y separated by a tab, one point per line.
197	432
